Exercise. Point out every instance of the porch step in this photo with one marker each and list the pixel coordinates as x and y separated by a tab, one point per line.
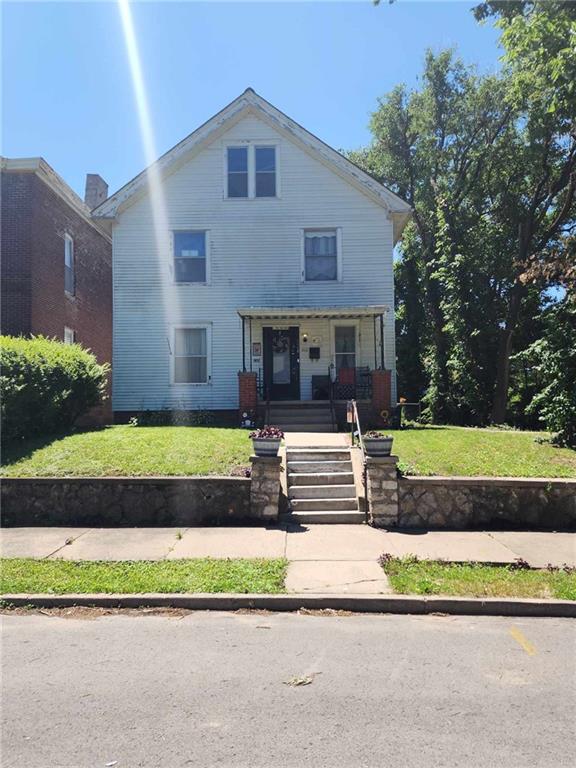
305	427
317	454
325	517
310	416
322	492
320	478
318	417
323	505
319	466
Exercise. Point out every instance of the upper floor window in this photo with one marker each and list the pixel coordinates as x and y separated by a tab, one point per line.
190	260
69	335
321	254
191	355
251	171
237	171
265	171
69	278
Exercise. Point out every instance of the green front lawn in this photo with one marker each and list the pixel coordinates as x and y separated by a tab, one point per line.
490	452
22	575
133	451
410	576
126	450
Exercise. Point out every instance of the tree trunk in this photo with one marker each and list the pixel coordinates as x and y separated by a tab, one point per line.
439	409
500	401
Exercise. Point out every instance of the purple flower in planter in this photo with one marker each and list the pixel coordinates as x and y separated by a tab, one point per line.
267	432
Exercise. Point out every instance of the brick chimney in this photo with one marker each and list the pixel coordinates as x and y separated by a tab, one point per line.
96	190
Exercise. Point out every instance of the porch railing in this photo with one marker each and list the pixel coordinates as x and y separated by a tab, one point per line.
356	433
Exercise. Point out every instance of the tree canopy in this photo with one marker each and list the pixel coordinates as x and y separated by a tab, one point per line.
488	163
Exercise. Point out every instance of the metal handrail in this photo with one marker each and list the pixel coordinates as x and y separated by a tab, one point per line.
356	421
331	396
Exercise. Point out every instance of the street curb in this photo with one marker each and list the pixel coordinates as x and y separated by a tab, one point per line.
402	604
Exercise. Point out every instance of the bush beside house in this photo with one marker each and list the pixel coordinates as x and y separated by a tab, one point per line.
46	385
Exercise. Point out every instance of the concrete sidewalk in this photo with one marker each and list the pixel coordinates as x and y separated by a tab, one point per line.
323	558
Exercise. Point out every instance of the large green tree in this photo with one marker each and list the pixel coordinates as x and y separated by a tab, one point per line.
488	164
535	194
430	145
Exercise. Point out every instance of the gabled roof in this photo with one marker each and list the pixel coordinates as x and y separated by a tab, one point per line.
251	102
48	175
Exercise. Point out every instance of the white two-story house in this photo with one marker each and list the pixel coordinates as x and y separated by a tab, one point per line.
252	247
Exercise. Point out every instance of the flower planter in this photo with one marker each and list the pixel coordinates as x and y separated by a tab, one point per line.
378	446
266	446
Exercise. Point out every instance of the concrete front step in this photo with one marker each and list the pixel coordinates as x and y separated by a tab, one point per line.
317	454
320	478
325	517
321	505
319	466
322	492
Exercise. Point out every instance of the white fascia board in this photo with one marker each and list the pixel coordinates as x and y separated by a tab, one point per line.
217	125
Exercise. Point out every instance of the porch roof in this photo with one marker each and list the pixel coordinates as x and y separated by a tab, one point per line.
286	313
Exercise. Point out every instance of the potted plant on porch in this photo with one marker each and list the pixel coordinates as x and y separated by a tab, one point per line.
378	444
266	441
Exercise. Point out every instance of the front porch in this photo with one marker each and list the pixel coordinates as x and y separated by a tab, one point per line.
321	356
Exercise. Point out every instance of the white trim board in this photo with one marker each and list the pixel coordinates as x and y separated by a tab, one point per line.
251	102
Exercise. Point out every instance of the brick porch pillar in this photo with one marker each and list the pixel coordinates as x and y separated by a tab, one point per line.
381	396
247	395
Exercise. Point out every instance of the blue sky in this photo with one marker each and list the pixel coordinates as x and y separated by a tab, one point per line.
67	93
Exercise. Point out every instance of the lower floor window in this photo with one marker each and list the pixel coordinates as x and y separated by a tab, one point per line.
191	356
69	335
345	346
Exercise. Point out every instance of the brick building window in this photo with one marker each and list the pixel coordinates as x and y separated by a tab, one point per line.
69	335
69	278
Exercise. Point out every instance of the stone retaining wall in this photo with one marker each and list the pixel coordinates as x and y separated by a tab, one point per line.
484	502
124	501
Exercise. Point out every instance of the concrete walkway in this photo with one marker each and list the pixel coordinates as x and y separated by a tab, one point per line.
323	558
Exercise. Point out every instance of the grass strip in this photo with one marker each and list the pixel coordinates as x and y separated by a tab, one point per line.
25	575
411	576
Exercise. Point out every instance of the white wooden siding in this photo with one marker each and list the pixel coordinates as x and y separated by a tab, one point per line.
255	254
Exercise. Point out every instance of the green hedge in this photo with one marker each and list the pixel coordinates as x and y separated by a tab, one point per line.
46	385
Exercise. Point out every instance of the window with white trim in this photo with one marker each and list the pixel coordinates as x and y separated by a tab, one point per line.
190	258
265	171
344	346
251	171
320	255
69	278
237	158
69	335
191	355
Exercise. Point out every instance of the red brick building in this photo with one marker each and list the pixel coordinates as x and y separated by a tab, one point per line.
56	267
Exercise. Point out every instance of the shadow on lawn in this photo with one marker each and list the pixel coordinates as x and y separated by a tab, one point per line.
16	450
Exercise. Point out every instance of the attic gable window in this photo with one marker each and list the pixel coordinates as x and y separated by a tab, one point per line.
237	171
265	171
251	171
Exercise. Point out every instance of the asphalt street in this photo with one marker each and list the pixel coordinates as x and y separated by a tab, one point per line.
225	689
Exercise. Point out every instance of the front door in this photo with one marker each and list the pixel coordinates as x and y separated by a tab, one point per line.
281	363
